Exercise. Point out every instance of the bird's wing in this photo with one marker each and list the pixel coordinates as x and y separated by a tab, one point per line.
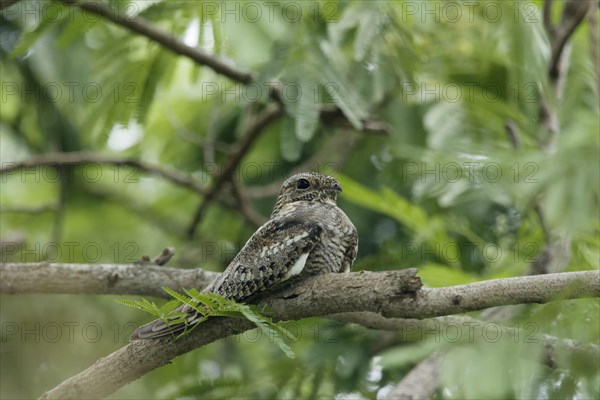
276	252
350	253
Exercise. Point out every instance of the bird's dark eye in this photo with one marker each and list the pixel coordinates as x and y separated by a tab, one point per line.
302	184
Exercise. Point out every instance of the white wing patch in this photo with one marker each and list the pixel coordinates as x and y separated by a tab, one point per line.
277	247
297	267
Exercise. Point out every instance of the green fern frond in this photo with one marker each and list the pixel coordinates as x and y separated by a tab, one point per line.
210	305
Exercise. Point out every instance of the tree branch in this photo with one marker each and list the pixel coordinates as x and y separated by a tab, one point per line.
595	46
327	160
85	158
338	293
256	127
139	279
144	28
411	330
245	206
7	3
573	14
421	382
391	294
136	359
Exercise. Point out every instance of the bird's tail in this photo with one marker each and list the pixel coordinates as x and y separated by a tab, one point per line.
166	326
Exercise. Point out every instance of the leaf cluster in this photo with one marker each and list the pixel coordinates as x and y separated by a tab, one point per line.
210	305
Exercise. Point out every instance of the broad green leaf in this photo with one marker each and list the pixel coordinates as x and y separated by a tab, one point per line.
307	111
333	78
291	146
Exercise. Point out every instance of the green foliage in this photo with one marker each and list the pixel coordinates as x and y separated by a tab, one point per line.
210	305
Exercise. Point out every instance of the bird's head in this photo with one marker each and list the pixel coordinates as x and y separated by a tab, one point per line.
308	186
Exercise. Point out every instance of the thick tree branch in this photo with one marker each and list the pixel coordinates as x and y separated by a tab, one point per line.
129	363
139	279
330	290
384	293
395	294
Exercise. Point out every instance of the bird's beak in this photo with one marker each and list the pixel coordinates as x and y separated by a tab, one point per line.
337	187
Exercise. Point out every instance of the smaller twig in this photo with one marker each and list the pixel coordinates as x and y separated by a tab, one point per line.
545	231
7	3
595	46
328	160
211	142
335	116
421	382
573	13
548	16
255	128
190	136
144	260
139	25
512	130
245	207
84	158
61	203
164	256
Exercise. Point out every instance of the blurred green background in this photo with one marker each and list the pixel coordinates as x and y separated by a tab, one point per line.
406	102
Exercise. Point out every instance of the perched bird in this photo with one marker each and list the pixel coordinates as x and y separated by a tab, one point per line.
307	234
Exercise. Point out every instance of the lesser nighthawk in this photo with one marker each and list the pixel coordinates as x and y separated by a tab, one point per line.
307	234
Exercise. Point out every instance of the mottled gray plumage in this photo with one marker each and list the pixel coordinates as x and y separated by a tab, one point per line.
307	234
